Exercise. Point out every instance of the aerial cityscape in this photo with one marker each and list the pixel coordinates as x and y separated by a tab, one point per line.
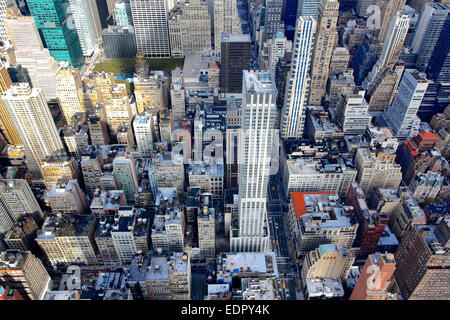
224	150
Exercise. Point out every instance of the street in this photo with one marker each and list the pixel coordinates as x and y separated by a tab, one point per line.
280	241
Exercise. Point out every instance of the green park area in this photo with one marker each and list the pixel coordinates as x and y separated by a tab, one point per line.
126	66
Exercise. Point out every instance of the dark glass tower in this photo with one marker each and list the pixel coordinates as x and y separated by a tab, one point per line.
290	17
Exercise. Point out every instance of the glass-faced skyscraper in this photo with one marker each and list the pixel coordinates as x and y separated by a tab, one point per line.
57	29
297	87
256	144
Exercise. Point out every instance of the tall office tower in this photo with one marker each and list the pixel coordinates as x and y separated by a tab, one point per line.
207	233
30	54
439	64
34	123
307	8
428	30
125	175
272	18
87	23
68	82
150	27
392	47
423	262
236	56
389	8
144	131
290	17
122	13
226	20
401	117
375	278
190	29
22	271
53	22
119	42
328	13
256	142
16	198
178	96
6	125
297	91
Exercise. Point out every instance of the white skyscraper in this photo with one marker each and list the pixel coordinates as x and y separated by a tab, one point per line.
31	54
143	132
297	86
150	27
226	20
87	22
256	143
392	47
401	117
34	123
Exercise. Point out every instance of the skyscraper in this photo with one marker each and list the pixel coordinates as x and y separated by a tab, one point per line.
236	56
226	19
297	90
375	278
388	9
328	12
87	23
122	13
401	117
439	64
34	123
392	47
272	18
150	27
427	32
56	27
30	54
289	16
256	143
